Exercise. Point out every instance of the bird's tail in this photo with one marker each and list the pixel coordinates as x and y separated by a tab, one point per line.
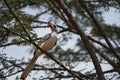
28	68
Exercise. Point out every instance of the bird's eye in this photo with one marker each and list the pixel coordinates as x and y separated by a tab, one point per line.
54	26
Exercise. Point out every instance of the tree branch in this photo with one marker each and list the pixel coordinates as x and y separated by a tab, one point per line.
118	1
99	27
104	56
83	37
98	42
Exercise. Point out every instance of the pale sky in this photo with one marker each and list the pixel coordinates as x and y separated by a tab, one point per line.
112	17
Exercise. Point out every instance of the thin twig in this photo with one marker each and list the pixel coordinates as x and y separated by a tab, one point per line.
38	15
118	1
98	42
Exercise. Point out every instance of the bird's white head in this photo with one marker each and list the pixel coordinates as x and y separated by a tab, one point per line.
52	26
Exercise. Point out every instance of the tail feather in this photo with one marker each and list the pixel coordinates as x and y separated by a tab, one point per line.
28	68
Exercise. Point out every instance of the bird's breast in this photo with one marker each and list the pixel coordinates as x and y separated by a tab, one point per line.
50	43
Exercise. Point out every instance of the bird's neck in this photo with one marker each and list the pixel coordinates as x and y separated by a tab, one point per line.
53	29
53	34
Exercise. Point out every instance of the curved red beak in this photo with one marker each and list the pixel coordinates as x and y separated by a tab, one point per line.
49	25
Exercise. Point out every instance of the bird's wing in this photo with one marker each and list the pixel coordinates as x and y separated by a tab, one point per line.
42	40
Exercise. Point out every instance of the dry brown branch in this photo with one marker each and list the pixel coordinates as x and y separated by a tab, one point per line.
83	37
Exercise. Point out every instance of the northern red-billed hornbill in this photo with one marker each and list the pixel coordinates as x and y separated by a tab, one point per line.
49	42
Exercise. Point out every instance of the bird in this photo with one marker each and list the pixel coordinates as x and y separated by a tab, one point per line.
49	41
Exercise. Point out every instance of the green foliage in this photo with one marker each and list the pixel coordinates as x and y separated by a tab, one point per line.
8	20
112	31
